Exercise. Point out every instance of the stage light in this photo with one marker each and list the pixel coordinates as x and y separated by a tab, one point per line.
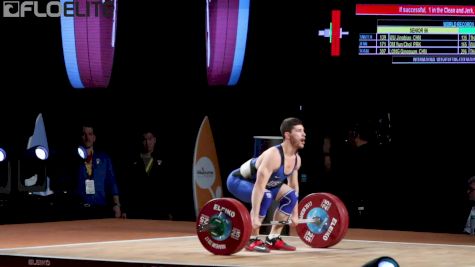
5	177
82	152
41	152
38	143
384	261
3	154
32	164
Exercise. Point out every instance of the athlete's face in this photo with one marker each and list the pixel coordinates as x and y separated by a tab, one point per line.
297	136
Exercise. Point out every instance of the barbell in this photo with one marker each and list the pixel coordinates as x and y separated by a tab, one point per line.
316	220
224	224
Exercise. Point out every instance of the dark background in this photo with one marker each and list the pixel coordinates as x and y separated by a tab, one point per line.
159	78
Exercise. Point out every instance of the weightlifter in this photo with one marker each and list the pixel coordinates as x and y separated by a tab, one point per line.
261	180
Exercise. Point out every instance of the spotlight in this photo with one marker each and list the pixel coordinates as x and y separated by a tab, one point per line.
383	261
41	152
82	152
32	165
5	177
38	141
3	154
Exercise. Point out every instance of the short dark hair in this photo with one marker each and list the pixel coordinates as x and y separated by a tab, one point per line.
471	180
88	124
147	129
288	124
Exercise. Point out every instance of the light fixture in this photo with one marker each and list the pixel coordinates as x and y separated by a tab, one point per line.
38	143
383	261
82	152
5	177
32	176
3	155
41	153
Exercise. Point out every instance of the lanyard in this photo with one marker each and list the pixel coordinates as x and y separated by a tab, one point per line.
88	164
149	166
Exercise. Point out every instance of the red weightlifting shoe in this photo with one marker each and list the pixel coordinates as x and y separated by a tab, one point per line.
278	244
255	244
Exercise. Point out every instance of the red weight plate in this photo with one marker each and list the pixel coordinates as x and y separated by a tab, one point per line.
233	226
333	220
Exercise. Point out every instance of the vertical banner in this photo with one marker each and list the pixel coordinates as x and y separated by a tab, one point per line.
88	31
226	37
206	173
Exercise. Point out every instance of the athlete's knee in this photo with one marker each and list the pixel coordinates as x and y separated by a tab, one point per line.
288	202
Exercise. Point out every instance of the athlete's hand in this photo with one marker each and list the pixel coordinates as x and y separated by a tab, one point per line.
256	222
294	219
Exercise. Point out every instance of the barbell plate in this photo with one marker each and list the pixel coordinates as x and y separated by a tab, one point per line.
333	223
236	226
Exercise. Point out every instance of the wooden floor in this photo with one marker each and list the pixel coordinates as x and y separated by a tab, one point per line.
175	243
